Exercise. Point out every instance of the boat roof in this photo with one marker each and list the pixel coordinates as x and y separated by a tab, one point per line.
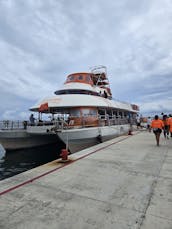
80	100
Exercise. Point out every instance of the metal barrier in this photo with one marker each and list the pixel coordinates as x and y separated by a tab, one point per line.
12	125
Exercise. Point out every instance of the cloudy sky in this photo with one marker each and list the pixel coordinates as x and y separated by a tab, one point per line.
43	41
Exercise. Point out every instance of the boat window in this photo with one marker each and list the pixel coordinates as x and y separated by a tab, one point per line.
88	79
115	114
120	114
125	114
88	111
102	113
70	78
80	77
93	112
109	112
75	113
85	112
75	91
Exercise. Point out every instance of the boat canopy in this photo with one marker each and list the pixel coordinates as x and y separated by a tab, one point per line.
79	100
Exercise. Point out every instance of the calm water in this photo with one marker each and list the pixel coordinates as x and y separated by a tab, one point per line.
15	162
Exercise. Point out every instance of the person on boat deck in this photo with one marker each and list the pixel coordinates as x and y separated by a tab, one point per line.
157	125
105	94
32	119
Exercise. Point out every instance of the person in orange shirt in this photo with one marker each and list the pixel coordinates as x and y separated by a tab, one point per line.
166	126
170	124
157	125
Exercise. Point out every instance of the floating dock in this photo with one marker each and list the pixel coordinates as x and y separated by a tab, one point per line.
125	183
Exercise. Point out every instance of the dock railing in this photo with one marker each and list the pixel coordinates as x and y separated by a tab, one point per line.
12	125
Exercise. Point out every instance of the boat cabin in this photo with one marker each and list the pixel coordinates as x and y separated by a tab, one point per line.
80	78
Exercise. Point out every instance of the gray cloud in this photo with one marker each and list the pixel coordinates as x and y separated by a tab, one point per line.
43	41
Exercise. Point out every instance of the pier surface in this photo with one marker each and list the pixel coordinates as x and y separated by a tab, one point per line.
125	183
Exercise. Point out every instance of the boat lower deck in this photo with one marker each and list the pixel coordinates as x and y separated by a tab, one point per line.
121	183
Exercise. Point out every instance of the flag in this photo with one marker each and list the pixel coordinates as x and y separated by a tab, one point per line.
43	107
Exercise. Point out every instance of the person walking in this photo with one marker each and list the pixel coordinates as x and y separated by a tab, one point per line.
149	120
170	124
166	126
157	125
138	122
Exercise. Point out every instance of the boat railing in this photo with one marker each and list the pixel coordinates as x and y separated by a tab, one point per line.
113	120
12	125
102	120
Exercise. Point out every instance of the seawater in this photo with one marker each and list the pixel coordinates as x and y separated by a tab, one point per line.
15	162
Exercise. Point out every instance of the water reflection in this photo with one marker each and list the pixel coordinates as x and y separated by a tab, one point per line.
14	162
2	152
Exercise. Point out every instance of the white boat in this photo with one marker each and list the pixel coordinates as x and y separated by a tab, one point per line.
83	111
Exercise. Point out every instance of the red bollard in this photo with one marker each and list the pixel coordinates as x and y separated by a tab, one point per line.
130	132
64	154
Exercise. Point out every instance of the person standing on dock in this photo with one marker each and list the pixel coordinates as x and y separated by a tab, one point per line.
157	125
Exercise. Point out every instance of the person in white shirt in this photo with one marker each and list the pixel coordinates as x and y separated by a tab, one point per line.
149	120
138	121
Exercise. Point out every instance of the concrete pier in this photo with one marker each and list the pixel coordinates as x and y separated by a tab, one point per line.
125	183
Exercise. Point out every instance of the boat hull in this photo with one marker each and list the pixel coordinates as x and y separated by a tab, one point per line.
20	139
79	139
75	139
